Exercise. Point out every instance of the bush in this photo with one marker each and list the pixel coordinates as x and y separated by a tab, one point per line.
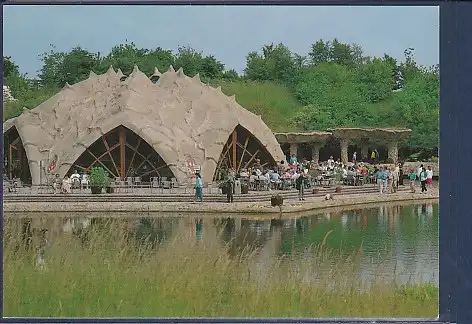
99	177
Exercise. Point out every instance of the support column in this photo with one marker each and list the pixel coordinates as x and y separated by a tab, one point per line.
344	145
364	149
234	139
315	152
122	153
293	149
393	151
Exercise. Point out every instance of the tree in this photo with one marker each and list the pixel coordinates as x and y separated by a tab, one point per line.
9	67
212	68
275	64
13	78
320	52
376	80
126	56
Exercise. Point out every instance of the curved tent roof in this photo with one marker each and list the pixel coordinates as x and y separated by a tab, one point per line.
179	117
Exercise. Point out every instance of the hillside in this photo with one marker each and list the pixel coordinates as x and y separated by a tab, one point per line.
334	85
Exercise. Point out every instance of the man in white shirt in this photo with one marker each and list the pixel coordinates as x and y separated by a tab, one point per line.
418	173
330	163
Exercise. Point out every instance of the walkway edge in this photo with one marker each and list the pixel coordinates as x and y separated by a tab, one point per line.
290	205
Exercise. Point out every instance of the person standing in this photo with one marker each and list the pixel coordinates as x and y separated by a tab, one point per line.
400	174
381	180
412	177
423	177
198	187
429	179
418	173
300	184
230	186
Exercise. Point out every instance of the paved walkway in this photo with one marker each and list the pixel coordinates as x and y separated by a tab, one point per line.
291	204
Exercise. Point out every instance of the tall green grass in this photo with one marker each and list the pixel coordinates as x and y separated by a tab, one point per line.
275	103
106	274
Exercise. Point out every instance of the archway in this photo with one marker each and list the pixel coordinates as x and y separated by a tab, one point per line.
123	154
241	151
15	163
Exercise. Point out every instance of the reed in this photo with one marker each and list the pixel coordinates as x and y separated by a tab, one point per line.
104	273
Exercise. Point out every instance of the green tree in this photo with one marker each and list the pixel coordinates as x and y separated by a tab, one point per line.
320	52
13	78
126	56
275	64
376	80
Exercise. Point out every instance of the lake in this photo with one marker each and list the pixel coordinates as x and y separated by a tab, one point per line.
392	242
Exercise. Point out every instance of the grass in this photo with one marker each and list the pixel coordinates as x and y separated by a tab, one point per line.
275	103
109	276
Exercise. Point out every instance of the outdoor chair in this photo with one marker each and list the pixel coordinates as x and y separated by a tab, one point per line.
129	184
154	183
166	184
174	184
137	182
119	184
162	181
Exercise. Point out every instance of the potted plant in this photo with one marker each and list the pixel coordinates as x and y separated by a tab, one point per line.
98	179
109	188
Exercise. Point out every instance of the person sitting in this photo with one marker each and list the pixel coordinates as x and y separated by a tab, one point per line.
75	179
66	185
56	184
257	165
275	180
85	181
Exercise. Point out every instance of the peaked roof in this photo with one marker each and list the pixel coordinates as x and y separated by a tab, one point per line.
178	116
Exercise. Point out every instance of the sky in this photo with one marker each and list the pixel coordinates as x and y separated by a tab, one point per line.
227	32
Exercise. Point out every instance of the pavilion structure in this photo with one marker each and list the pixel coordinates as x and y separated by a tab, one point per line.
389	137
314	139
169	125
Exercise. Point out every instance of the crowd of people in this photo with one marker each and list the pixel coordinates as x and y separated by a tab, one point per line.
304	174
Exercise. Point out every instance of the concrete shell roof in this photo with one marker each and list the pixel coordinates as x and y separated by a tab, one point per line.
294	137
359	133
180	117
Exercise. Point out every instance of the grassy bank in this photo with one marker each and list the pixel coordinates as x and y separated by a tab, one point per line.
275	103
104	273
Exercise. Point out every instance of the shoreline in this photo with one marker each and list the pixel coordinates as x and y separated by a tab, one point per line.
290	206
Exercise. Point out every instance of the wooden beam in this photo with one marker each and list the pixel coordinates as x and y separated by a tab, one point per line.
134	154
242	155
252	158
145	159
223	156
234	140
98	160
109	153
154	169
81	167
122	152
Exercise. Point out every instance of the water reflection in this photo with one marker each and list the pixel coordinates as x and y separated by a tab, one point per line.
397	242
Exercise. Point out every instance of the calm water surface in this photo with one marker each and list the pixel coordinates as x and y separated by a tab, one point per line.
397	242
